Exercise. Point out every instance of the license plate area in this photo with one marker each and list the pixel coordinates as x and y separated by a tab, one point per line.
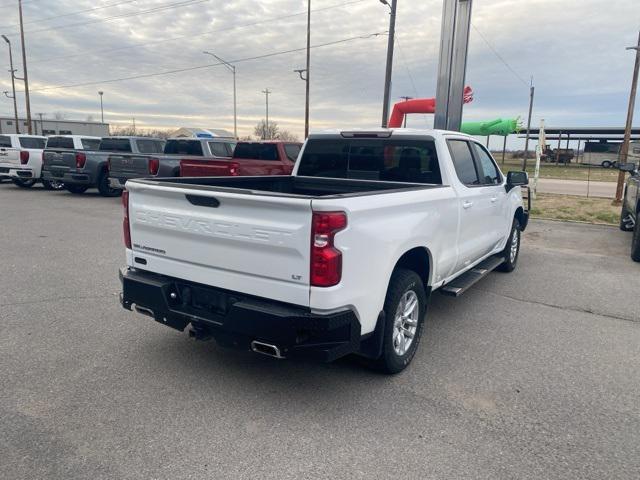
57	173
194	300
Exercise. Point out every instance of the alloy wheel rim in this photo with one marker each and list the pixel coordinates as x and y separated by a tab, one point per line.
515	240
405	322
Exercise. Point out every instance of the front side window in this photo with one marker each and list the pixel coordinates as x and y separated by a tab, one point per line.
90	143
463	162
386	159
149	146
490	173
219	149
32	142
5	141
292	150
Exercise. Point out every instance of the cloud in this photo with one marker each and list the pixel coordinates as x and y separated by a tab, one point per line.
574	50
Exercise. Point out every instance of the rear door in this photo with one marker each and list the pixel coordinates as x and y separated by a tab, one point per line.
216	238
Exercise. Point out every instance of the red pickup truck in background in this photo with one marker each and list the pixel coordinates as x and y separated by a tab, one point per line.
249	159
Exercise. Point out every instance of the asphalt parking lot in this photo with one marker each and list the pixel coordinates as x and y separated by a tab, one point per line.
533	374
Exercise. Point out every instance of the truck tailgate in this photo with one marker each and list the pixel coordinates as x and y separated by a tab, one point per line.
9	155
258	245
59	159
207	168
128	165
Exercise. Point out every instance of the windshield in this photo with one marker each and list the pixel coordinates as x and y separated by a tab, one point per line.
115	145
256	151
183	147
397	160
32	142
59	142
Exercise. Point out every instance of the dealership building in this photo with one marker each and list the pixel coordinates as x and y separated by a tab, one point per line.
54	127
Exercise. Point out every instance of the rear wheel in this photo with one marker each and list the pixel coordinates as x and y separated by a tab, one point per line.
77	189
405	307
606	164
635	243
24	183
52	185
511	249
105	189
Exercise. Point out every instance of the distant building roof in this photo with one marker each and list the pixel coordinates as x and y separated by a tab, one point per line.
194	132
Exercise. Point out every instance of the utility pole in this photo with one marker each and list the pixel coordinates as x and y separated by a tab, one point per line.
406	99
532	90
13	85
101	107
232	69
389	69
134	125
624	151
266	123
24	68
41	124
306	100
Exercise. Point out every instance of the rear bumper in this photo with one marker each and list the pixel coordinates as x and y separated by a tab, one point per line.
235	319
13	170
68	177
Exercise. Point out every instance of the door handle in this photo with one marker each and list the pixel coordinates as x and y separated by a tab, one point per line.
467	204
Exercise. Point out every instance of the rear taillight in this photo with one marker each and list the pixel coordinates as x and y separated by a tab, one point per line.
24	157
326	260
81	159
234	169
125	222
154	166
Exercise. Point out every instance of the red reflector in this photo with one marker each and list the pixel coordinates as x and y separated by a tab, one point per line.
326	260
154	166
24	157
81	159
125	222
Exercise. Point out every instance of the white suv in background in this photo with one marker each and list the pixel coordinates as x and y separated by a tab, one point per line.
21	158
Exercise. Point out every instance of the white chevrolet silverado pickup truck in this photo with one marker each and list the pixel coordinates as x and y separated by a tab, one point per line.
339	258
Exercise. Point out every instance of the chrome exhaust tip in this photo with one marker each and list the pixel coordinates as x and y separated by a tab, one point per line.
266	349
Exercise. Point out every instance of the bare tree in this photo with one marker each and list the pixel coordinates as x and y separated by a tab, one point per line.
89	118
287	136
59	115
262	132
128	131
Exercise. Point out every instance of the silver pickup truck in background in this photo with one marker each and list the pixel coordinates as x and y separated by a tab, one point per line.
123	167
80	170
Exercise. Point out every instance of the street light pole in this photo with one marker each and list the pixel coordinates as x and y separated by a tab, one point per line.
232	69
306	101
101	107
389	69
24	69
13	84
266	124
624	150
532	91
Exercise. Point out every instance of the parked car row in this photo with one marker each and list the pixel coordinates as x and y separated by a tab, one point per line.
77	163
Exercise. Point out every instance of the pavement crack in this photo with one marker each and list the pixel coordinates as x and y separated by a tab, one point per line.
565	307
59	299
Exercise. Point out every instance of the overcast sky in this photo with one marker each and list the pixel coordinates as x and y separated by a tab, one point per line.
574	49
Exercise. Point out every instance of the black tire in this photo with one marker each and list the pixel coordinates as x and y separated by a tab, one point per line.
24	183
624	213
402	283
510	258
606	164
76	189
105	189
635	242
52	185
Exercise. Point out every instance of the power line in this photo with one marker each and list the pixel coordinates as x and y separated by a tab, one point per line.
406	66
193	35
200	67
38	20
506	64
168	6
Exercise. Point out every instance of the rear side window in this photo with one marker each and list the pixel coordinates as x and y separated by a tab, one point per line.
396	160
5	141
150	146
292	150
221	149
183	147
90	143
490	173
256	151
463	162
31	142
115	145
59	142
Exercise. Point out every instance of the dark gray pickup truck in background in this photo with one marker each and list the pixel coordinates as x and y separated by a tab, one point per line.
123	167
80	170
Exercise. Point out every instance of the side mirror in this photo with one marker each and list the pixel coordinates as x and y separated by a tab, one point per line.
627	167
517	178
